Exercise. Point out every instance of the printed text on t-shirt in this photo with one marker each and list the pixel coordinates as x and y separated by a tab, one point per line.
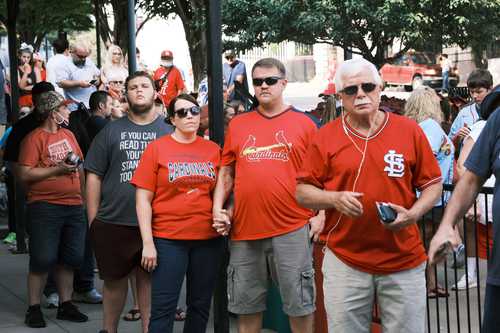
133	143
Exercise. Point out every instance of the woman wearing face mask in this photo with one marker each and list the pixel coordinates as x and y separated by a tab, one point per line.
175	180
49	164
168	79
28	75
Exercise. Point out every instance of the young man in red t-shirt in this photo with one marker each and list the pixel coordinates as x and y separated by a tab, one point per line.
262	153
168	79
368	156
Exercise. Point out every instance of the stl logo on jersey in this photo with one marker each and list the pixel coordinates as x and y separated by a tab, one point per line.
395	164
279	151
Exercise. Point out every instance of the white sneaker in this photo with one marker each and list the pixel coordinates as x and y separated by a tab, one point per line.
52	301
462	283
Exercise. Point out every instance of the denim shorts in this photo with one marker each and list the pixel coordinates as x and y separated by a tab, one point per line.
284	259
57	235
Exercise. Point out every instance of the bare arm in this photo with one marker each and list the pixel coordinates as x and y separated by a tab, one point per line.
67	84
144	211
464	153
462	198
31	175
23	81
224	186
93	195
428	198
345	202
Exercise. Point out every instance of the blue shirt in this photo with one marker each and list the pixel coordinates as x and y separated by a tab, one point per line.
230	75
468	115
69	71
443	150
483	161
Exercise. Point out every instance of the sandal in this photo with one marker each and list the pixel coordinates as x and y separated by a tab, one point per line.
132	315
437	292
180	315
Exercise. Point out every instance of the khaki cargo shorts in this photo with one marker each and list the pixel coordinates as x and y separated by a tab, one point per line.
284	259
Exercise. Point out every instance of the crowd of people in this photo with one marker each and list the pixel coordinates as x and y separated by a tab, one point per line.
115	173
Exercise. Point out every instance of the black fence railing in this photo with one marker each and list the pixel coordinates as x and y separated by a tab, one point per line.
461	310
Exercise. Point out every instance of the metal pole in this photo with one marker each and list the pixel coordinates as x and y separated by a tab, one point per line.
12	10
132	60
216	130
97	32
215	99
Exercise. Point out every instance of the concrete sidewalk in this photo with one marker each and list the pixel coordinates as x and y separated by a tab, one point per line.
13	304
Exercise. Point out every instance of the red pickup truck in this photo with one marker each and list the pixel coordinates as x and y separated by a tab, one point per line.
414	69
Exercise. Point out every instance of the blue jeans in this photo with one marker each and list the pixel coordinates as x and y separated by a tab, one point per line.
199	261
446	81
491	319
57	236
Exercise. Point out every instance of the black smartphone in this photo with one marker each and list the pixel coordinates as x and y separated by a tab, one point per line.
385	212
93	82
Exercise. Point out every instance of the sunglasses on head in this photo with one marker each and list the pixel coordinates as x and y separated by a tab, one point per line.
183	112
270	81
353	90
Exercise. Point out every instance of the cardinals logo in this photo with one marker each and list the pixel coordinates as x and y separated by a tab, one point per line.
279	151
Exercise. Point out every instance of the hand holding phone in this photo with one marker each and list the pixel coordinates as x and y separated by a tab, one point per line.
385	212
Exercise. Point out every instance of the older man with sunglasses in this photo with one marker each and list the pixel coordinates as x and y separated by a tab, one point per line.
270	232
366	157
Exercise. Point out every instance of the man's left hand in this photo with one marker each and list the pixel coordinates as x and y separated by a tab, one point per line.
403	219
317	225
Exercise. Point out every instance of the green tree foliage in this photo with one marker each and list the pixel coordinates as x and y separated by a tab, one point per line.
366	27
193	16
37	18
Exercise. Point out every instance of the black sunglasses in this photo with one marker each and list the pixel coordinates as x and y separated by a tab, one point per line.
353	90
270	81
182	113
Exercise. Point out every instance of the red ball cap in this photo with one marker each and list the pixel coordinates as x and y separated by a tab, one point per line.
167	54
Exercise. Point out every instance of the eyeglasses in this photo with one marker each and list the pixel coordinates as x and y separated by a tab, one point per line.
229	57
116	82
270	81
117	53
182	113
353	90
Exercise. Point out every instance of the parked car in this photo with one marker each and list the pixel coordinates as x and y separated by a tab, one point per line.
414	69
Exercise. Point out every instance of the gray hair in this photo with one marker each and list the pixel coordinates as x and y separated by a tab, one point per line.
353	67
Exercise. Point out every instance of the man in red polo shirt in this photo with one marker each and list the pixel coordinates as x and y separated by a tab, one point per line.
270	233
168	79
368	156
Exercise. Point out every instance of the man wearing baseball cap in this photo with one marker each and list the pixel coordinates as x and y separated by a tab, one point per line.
168	79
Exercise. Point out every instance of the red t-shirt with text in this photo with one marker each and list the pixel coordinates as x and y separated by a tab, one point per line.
267	153
182	177
172	83
42	149
398	161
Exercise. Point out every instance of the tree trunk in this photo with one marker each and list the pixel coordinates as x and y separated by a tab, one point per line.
197	42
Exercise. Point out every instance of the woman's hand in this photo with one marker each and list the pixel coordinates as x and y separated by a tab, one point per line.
149	257
222	222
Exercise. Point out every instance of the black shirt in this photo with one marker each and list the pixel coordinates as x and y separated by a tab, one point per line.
94	125
19	131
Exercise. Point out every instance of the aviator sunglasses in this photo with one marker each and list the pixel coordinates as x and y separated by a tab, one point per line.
353	90
182	113
270	81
